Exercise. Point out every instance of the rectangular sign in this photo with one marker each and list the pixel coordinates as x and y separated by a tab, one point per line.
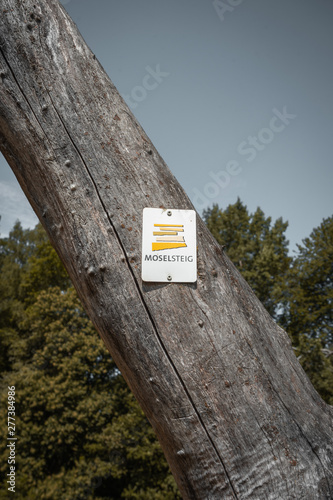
169	245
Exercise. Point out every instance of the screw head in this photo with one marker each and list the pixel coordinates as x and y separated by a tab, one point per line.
169	278
169	212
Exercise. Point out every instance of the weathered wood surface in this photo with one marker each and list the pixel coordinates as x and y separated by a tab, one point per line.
217	378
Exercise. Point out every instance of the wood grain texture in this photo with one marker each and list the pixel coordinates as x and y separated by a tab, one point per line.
232	408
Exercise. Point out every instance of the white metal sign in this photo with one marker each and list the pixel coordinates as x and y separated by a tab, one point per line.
169	245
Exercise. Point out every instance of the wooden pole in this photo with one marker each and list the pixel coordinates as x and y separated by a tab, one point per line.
234	412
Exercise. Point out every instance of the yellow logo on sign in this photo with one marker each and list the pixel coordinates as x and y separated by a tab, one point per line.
167	237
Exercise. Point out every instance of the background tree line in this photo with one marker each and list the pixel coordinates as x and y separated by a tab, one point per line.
81	433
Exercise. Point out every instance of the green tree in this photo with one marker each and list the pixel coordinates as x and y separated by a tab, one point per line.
308	314
297	292
28	264
257	247
14	253
81	433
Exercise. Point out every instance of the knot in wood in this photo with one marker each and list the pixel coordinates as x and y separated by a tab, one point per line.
91	270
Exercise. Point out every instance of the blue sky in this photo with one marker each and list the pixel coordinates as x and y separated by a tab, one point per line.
236	96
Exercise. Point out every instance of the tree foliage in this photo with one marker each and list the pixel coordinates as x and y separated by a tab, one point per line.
308	315
297	292
258	248
81	433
